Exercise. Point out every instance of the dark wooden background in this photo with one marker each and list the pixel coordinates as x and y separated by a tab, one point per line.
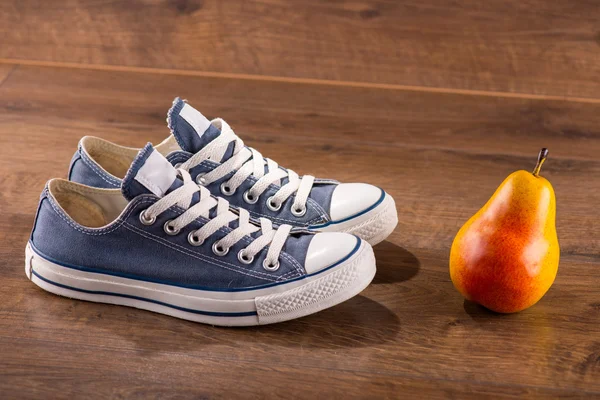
436	101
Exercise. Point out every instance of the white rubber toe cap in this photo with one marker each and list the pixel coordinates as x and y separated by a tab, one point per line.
327	248
349	199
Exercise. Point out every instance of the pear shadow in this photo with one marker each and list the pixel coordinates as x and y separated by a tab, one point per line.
480	314
394	263
358	322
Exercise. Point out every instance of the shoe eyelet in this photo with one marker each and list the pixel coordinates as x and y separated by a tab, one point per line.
226	189
298	212
170	229
271	268
146	221
200	179
243	259
248	199
271	206
194	240
218	250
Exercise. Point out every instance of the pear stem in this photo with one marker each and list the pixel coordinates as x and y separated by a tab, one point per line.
540	161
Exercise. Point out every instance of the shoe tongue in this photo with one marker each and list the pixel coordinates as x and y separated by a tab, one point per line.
191	129
150	173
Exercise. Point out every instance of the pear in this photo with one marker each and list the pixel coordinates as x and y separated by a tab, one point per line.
506	256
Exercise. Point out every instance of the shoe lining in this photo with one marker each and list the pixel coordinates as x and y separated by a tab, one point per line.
88	206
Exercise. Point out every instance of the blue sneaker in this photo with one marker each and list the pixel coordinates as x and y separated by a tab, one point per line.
163	243
216	158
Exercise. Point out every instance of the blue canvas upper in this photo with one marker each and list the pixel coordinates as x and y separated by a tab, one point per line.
126	247
85	170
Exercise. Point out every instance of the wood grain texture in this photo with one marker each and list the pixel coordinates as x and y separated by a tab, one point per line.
361	132
532	46
5	71
483	125
205	378
408	335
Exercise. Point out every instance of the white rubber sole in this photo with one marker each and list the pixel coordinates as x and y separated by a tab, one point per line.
373	226
267	305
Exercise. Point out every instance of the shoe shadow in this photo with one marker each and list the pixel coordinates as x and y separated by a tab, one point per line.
394	263
358	322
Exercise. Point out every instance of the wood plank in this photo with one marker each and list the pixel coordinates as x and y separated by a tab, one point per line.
436	190
451	143
113	103
532	46
76	377
409	334
409	323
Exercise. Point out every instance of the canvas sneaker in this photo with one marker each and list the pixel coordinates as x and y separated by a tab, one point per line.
165	244
218	159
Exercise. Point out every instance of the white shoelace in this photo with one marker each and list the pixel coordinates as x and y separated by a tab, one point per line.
182	197
248	161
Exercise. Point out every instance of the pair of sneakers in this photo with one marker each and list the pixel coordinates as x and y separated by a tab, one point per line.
203	228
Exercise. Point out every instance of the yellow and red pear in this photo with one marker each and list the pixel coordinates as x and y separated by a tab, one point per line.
506	256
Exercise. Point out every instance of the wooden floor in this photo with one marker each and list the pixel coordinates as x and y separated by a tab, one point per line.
435	101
